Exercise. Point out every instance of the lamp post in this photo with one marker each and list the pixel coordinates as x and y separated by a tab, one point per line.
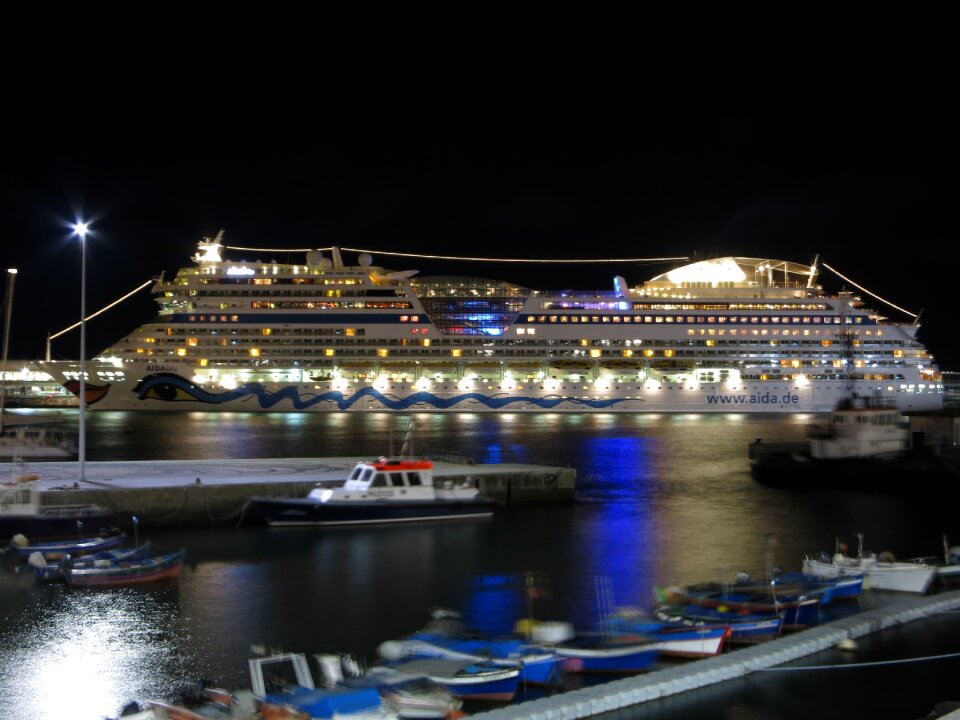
6	342
80	229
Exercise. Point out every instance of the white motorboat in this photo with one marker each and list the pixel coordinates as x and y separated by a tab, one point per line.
880	572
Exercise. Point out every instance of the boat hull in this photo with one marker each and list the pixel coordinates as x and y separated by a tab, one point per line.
58	549
58	525
900	577
167	387
126	573
295	512
796	469
608	658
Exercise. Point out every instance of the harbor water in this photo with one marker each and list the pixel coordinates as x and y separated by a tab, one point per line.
661	500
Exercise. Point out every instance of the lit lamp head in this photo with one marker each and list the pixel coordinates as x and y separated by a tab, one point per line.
80	229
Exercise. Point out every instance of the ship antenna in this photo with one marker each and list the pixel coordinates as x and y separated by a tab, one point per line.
813	272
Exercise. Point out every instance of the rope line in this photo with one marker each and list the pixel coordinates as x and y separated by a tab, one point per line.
424	256
875	663
863	289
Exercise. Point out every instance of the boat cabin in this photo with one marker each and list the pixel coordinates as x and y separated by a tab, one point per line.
395	479
860	427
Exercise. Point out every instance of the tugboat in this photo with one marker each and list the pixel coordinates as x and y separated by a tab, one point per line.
387	490
865	444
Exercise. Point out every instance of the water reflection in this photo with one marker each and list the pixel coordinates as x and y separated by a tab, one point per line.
86	654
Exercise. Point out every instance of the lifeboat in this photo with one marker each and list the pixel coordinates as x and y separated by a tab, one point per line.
571	365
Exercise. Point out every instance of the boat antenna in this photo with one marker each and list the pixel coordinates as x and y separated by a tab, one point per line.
407	449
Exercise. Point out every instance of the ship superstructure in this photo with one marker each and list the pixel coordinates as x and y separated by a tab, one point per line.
721	335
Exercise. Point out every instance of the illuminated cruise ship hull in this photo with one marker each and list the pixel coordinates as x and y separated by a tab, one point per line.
727	335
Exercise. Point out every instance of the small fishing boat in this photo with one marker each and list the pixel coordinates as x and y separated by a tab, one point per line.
797	611
468	680
879	572
52	570
745	628
446	636
672	638
414	698
125	572
599	652
283	687
58	549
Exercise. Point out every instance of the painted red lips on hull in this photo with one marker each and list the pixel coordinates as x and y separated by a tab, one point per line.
94	393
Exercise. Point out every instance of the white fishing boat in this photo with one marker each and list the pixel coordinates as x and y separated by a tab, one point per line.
880	572
731	334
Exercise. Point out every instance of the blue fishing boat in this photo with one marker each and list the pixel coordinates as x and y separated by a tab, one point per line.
446	636
796	610
125	572
745	628
468	680
673	638
52	570
57	549
414	698
283	687
600	652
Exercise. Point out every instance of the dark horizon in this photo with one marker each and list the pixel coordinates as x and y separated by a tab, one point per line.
540	134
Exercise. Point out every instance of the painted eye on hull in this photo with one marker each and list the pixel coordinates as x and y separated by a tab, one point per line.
166	392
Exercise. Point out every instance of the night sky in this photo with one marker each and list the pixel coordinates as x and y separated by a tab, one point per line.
534	133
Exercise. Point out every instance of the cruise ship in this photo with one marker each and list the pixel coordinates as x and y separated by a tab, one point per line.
730	334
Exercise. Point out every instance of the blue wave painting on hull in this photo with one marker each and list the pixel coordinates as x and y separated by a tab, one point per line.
169	387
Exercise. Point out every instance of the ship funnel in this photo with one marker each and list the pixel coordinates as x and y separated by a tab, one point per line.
337	260
620	286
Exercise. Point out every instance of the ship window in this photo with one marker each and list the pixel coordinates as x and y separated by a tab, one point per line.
379	480
396	479
413	478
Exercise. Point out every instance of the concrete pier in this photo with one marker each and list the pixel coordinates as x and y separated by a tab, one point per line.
212	492
631	691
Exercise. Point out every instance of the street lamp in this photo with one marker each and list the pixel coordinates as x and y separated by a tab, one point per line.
6	341
80	229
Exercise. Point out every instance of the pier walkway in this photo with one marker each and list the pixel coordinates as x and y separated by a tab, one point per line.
628	692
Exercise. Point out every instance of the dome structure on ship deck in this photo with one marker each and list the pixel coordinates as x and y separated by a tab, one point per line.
737	272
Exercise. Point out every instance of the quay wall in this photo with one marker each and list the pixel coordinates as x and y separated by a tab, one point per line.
639	689
214	492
